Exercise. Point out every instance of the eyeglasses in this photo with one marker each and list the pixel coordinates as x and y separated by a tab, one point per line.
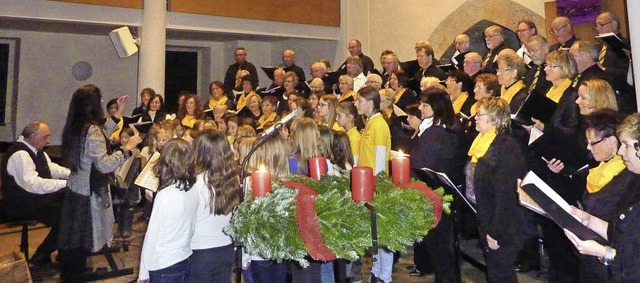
323	105
599	25
480	114
551	65
504	70
371	82
490	36
523	30
596	142
557	30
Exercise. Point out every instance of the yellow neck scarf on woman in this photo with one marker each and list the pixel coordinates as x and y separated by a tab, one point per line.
555	93
457	105
213	103
481	144
264	119
508	93
600	176
474	109
399	94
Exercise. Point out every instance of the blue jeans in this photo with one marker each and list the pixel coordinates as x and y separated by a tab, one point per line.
326	271
212	265
177	273
269	271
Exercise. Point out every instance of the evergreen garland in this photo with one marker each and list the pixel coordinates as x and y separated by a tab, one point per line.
267	225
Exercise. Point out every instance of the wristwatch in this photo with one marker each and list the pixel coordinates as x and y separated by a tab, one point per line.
126	153
608	257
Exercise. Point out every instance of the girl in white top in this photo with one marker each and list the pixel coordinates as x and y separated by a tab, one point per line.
218	186
166	250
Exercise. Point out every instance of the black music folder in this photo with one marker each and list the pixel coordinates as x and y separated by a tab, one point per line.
447	181
535	106
554	207
613	41
142	127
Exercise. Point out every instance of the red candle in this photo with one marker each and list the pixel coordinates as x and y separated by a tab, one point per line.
362	183
400	169
317	167
260	182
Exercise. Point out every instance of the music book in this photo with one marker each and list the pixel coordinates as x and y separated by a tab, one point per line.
208	113
534	135
447	181
464	116
612	41
142	127
126	173
126	120
555	207
535	106
410	68
447	67
548	148
268	70
147	178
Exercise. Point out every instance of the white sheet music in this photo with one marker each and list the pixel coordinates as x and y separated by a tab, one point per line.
147	178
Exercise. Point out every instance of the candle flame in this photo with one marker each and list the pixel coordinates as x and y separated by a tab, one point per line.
262	168
400	153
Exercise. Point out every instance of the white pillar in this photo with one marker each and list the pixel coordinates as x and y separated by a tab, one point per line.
152	46
633	8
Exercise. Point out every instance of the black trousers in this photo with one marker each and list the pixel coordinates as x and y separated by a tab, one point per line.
500	262
439	244
72	264
562	259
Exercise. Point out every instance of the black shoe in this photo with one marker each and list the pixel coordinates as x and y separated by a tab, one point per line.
410	268
40	260
524	268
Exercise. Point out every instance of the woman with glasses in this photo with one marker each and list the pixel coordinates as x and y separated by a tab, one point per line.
345	85
491	179
525	29
458	86
510	71
605	183
327	111
621	229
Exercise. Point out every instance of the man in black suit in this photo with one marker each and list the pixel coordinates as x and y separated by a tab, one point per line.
494	39
562	31
461	43
535	77
615	62
427	68
355	49
235	72
288	60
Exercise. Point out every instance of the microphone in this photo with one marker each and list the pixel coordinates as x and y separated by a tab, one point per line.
269	131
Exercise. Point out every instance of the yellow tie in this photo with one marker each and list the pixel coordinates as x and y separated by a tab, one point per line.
535	79
486	60
603	52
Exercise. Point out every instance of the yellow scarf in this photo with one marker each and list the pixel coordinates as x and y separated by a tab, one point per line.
264	119
242	101
481	144
457	105
555	93
399	94
474	109
189	120
213	103
337	127
350	93
600	176
508	93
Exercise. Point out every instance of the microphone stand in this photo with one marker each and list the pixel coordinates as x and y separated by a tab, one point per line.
243	175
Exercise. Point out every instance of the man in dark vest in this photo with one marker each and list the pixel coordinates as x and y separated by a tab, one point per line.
32	185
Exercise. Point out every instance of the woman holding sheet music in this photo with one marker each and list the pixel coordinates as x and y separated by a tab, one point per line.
605	183
438	148
491	184
622	229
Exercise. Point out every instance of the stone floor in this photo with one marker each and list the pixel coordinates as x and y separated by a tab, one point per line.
10	239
